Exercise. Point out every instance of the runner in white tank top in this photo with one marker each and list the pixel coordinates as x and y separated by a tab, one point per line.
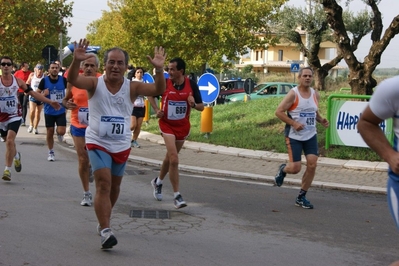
111	99
299	111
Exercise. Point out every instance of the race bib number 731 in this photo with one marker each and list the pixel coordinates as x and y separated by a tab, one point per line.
112	127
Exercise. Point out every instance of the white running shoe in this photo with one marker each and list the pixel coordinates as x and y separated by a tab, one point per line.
108	240
134	144
36	131
87	199
60	138
157	189
51	157
179	202
30	129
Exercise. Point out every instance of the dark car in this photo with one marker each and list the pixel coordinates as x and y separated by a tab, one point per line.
228	87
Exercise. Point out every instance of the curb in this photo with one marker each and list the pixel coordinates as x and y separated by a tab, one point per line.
269	156
351	164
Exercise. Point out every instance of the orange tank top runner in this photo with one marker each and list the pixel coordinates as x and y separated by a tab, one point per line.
80	115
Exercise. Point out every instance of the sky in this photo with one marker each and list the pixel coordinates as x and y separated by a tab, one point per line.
86	11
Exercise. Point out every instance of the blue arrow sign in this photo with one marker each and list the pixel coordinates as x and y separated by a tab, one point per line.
147	78
209	87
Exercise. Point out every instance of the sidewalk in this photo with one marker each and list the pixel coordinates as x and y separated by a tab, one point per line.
349	175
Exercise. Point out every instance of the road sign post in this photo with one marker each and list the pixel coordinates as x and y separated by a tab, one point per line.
209	88
294	68
50	53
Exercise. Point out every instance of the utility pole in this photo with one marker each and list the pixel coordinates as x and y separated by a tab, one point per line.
309	10
61	50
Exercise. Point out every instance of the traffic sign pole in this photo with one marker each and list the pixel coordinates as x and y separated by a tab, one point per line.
209	88
294	68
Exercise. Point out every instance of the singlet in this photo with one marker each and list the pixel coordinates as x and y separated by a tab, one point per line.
80	115
56	93
34	82
10	109
384	104
303	111
139	102
175	105
109	117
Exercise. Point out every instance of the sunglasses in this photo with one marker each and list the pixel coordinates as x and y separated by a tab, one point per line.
6	64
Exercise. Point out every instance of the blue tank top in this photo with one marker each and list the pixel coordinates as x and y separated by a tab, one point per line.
56	93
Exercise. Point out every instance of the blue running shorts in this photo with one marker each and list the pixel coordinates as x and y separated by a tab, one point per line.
393	199
100	159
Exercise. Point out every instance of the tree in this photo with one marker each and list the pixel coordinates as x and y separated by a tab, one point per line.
294	21
27	26
360	74
199	31
106	33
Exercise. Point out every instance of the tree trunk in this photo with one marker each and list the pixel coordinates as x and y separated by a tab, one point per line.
361	80
319	79
360	74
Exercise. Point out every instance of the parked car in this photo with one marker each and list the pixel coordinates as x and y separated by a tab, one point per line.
263	90
228	87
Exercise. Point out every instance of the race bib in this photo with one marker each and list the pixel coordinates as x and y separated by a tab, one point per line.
83	115
308	119
8	104
57	95
112	127
177	110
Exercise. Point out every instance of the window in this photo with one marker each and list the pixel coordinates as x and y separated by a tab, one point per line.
280	55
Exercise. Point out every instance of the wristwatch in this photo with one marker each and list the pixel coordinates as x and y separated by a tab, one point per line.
193	106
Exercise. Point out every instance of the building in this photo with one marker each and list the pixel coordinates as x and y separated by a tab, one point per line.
278	58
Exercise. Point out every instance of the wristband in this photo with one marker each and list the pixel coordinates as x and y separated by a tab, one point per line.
193	106
158	70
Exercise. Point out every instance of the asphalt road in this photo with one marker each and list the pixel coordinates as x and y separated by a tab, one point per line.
227	221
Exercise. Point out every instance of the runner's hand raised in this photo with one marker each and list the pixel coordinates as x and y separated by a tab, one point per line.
80	48
159	57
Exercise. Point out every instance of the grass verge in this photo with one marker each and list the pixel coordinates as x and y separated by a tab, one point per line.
253	125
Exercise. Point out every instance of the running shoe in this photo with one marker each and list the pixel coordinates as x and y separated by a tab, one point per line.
108	240
87	199
17	163
60	138
7	175
179	202
36	131
157	189
303	202
135	144
279	179
30	129
51	157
